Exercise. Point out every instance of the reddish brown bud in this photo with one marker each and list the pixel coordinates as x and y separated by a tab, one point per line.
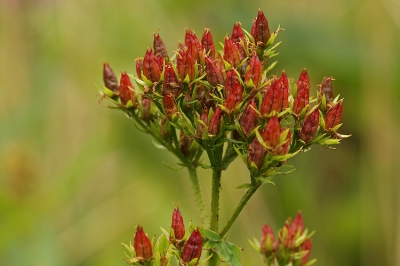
260	30
109	78
306	245
194	47
254	72
160	61
215	122
333	116
207	43
177	224
184	144
297	224
283	79
201	127
185	64
159	46
326	89
256	153
237	33
234	97
231	53
142	244
214	73
303	79
302	98
231	77
272	133
139	67
284	149
310	126
193	247
126	90
249	119
171	83
146	109
267	240
169	106
151	68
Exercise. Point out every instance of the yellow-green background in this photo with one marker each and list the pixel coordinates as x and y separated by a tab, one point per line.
75	178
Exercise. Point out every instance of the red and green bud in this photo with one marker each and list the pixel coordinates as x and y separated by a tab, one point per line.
231	53
333	116
214	73
194	47
215	122
207	43
184	144
169	106
142	244
254	72
302	98
274	99
310	126
193	247
151	68
171	83
109	78
146	109
177	224
288	237
235	96
237	33
272	132
256	153
303	79
249	119
126	90
159	47
139	67
284	149
326	89
298	224
306	245
267	240
201	127
185	64
231	77
260	30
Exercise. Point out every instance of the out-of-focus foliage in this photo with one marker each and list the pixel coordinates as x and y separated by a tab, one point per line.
75	178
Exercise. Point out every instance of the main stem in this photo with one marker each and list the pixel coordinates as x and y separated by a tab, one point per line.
216	188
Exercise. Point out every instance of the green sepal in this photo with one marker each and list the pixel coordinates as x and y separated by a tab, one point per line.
107	92
255	243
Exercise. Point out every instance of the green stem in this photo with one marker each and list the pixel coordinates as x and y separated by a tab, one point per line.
239	208
198	195
216	188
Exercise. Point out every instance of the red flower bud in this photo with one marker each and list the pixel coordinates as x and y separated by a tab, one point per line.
260	30
126	90
193	247
201	127
160	61
171	83
185	64
310	126
306	245
304	78
151	68
159	46
326	89
288	237
333	116
237	33
207	43
234	97
284	149
249	119
169	106
254	72
194	47
272	132
256	153
276	98
142	244
231	53
109	78
139	67
231	77
184	144
285	90
177	224
297	224
215	122
302	98
146	109
267	240
214	73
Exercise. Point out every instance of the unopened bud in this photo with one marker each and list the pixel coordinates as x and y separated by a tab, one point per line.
139	67
234	97
256	153
272	132
288	237
151	68
185	65
326	89
169	106
231	53
146	109
237	33
184	144
303	79
231	77
194	47
298	224
306	245
284	149
126	90
260	30
302	98
171	83
159	46
215	122
142	244
267	240
254	72
333	116
207	43
201	127
109	78
310	126
214	72
249	120
193	247
177	224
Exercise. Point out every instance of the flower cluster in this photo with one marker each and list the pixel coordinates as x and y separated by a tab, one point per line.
185	248
291	247
200	98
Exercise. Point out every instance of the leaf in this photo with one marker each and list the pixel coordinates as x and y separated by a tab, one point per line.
246	185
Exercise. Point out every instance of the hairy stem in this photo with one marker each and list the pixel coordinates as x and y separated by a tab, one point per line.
198	195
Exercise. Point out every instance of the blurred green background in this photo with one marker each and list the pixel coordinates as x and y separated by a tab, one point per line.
75	178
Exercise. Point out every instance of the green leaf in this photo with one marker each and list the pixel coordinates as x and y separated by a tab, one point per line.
246	185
